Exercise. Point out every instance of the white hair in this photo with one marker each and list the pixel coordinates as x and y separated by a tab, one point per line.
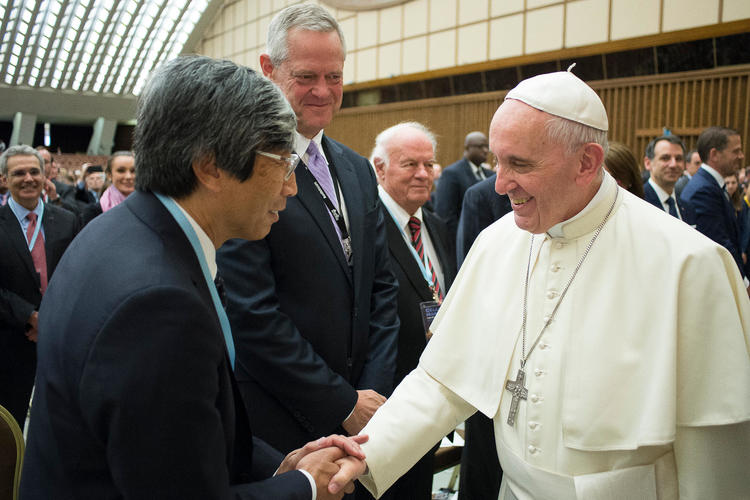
380	151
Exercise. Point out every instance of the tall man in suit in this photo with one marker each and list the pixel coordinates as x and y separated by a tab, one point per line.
665	160
720	149
422	253
33	237
459	176
313	305
135	394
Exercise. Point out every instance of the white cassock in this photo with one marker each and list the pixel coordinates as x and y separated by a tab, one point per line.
638	389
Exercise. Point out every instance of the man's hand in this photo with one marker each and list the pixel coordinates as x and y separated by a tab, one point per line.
51	190
31	327
349	446
350	470
322	466
368	401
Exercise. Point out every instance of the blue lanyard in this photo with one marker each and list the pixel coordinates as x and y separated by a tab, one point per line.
187	228
420	262
38	223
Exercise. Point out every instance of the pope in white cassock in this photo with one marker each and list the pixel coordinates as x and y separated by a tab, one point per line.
607	339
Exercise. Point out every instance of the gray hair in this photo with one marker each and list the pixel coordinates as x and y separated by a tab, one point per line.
380	150
194	108
573	135
304	17
20	150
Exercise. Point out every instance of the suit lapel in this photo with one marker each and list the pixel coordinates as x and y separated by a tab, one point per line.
405	258
17	239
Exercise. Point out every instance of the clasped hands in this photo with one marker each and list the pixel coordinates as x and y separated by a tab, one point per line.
334	462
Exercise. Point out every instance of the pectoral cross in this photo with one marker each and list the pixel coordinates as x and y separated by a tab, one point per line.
516	387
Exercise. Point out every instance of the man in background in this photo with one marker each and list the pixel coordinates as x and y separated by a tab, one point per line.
423	258
33	237
665	160
459	176
721	150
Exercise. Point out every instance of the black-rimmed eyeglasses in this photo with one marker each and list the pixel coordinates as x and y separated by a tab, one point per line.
291	162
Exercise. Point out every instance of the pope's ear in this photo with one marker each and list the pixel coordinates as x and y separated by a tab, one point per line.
591	160
207	173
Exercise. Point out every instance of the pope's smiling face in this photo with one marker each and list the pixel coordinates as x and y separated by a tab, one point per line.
540	177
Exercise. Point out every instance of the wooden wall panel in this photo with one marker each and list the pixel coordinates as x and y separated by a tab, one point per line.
638	108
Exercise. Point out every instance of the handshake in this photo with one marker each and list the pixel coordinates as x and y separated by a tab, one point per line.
334	462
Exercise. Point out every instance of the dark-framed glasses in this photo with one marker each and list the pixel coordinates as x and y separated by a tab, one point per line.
290	161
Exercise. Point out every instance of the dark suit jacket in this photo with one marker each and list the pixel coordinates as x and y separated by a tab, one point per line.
90	212
482	206
453	183
134	394
20	296
416	484
714	214
687	212
308	331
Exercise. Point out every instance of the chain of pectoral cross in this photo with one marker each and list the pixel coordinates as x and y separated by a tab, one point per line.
517	387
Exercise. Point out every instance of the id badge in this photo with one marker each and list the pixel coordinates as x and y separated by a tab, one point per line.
429	311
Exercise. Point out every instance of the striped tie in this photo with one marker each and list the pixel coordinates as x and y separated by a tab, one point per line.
415	226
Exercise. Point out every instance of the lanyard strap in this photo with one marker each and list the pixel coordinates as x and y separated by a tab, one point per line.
38	223
37	228
187	228
420	262
337	215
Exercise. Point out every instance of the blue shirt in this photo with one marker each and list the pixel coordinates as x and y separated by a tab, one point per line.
21	213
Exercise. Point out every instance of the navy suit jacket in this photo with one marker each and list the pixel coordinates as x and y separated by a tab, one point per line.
20	296
714	214
684	207
134	393
309	331
453	183
482	206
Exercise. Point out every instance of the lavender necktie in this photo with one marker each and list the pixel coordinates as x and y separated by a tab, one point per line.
319	168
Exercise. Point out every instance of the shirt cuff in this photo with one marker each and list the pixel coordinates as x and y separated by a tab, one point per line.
312	484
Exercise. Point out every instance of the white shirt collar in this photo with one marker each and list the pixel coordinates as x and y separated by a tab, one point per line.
716	175
659	191
20	211
209	252
301	143
556	231
402	218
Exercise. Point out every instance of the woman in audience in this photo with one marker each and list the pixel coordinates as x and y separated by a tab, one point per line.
622	165
740	210
120	172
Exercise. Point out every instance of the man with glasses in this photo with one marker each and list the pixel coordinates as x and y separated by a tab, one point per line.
135	396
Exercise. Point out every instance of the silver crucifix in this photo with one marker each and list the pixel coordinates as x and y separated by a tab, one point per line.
516	387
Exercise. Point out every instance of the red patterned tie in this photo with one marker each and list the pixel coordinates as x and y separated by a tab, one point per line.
415	226
37	253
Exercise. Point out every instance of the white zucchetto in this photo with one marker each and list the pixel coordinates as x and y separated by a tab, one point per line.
563	94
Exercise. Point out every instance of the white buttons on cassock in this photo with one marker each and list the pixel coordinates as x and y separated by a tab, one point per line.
539	372
554	268
533	449
534	398
533	425
551	294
